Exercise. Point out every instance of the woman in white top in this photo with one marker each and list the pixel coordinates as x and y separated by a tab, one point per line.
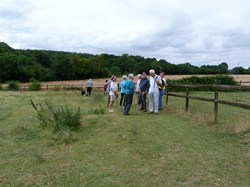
113	93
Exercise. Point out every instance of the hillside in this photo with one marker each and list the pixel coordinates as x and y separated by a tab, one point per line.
45	65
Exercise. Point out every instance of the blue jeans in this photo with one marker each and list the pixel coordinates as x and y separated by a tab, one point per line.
128	102
161	93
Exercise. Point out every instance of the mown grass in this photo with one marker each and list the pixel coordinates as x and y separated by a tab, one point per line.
115	150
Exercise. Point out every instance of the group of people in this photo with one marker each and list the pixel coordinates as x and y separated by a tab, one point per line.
154	87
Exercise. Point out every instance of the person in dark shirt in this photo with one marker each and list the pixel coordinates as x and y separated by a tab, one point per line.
144	86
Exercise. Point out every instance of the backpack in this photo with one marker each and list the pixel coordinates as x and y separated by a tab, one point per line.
162	85
107	85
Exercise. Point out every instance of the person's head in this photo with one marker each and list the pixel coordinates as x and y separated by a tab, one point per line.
144	75
114	79
152	72
139	76
162	74
131	76
124	77
89	79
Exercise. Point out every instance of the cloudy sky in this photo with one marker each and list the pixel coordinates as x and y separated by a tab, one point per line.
195	31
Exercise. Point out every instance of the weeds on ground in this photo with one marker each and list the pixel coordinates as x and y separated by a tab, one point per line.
62	120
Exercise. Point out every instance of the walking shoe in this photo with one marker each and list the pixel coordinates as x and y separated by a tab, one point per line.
144	110
110	110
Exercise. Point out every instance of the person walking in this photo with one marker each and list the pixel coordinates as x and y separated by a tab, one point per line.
113	93
144	87
123	83
154	82
129	92
161	89
89	86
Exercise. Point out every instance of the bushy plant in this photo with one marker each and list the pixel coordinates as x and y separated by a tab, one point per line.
13	85
98	111
62	120
34	85
217	79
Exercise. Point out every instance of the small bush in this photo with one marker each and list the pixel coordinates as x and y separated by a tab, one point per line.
98	111
34	85
217	79
13	85
62	120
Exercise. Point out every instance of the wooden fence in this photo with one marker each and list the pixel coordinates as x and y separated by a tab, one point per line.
215	100
97	88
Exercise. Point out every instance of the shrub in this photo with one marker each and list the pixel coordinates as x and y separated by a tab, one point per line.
13	85
62	119
217	79
34	85
98	111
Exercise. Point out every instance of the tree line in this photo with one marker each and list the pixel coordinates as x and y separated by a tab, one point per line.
45	65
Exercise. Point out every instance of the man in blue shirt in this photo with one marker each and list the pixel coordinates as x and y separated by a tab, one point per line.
129	92
144	86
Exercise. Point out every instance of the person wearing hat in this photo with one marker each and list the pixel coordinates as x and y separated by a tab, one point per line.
123	83
89	86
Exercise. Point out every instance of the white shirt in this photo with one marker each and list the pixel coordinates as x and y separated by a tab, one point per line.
137	88
113	88
153	84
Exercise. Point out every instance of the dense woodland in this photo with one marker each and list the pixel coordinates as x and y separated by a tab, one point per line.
45	65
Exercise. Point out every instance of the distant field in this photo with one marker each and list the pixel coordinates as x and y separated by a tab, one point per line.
115	150
99	82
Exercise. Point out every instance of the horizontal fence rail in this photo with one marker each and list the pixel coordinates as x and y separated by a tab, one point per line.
215	100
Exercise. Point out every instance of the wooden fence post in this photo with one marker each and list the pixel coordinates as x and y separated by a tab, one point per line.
187	100
47	87
216	110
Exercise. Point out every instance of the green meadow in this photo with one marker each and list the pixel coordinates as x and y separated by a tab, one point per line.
109	149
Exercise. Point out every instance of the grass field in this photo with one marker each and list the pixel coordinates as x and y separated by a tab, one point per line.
116	150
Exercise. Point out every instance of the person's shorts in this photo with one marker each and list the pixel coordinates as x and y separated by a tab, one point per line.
112	97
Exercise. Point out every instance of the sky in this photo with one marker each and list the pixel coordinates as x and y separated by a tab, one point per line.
200	32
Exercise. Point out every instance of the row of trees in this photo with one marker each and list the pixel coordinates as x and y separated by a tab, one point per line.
53	65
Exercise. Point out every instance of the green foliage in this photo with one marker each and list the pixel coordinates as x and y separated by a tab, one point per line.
98	111
217	79
72	88
13	85
62	119
56	65
1	87
34	85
